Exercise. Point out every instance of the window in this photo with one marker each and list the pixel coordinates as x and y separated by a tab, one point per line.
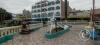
44	9
38	15
38	6
58	7
43	5
39	10
50	14
35	16
44	14
57	13
34	11
57	2
33	7
52	2
51	8
49	3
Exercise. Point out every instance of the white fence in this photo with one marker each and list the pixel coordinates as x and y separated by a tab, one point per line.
9	30
15	29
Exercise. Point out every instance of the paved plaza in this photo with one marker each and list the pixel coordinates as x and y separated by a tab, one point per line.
37	38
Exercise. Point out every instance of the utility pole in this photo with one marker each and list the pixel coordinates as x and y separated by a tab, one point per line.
66	9
93	13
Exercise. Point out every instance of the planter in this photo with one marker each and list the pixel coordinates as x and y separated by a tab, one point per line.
51	35
5	38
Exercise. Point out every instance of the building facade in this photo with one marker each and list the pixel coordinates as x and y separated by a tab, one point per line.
27	14
48	9
68	9
97	14
79	15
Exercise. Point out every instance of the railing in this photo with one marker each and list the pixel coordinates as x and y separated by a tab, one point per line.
8	32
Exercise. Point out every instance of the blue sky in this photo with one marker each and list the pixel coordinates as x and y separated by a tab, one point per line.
16	6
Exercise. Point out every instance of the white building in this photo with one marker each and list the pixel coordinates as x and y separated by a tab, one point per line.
48	9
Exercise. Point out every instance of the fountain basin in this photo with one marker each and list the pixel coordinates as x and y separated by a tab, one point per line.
51	35
5	38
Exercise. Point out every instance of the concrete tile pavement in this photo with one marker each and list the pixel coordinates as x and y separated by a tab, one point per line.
37	38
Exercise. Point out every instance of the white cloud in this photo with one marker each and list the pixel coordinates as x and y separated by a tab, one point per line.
16	6
83	4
